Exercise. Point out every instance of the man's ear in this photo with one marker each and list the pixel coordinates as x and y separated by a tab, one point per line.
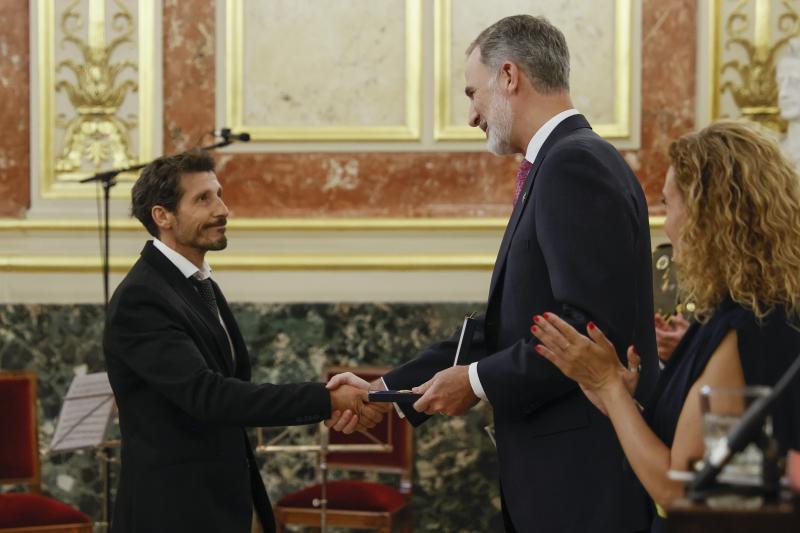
163	218
510	77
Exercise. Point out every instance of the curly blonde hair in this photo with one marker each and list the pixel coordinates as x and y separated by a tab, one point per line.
741	237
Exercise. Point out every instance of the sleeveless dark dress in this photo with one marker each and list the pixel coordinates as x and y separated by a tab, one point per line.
765	350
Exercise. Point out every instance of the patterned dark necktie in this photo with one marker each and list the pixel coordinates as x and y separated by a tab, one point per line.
522	174
206	291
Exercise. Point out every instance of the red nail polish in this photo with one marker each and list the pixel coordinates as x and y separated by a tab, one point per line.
547	316
534	329
591	325
537	318
538	348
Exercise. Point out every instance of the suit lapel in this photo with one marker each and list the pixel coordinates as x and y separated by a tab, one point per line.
511	226
563	129
183	287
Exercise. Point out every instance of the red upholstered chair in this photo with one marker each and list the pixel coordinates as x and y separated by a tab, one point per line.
27	512
354	503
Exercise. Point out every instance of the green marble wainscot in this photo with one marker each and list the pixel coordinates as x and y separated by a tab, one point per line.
455	477
57	342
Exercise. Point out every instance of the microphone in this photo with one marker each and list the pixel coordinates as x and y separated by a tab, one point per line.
745	432
227	135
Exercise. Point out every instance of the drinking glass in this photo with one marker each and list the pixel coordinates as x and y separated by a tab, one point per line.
722	409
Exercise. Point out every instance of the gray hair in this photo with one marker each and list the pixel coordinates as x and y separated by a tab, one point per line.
537	47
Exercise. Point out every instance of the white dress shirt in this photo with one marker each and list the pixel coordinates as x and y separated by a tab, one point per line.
534	146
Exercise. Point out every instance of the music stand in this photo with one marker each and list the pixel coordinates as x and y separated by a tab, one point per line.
322	449
83	422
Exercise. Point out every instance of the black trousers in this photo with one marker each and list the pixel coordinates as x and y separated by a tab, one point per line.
507	523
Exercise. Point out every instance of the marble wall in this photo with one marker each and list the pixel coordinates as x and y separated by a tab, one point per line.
298	89
188	42
668	64
455	472
351	183
589	29
14	110
437	184
669	44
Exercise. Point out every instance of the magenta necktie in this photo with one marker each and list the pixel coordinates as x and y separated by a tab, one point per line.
522	175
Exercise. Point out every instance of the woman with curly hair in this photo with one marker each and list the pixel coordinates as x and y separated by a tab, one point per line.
733	216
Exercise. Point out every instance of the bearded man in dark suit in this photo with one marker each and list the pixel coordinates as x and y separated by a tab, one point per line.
180	371
577	244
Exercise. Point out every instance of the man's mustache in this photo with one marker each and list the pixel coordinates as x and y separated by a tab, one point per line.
219	223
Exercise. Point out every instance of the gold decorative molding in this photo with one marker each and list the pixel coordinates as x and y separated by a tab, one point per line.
289	262
95	134
756	93
444	130
277	262
288	224
277	224
413	85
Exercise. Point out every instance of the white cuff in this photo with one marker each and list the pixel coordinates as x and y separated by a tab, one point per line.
475	382
400	413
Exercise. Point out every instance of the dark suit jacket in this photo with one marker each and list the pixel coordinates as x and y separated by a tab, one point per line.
187	464
577	244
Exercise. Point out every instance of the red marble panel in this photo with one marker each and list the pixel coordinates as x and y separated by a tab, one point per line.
14	109
669	79
189	72
433	184
411	184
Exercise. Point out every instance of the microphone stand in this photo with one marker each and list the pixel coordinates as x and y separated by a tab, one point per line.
108	179
323	467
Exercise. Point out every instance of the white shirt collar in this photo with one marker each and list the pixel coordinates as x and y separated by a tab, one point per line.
186	267
544	132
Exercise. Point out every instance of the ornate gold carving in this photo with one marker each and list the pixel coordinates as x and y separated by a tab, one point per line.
756	92
96	134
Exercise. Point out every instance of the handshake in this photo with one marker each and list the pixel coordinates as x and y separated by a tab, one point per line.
448	392
350	407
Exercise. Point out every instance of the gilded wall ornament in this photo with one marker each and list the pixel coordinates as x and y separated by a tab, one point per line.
96	134
755	91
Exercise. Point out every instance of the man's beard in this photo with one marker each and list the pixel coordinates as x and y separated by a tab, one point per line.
202	242
502	116
219	244
208	245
